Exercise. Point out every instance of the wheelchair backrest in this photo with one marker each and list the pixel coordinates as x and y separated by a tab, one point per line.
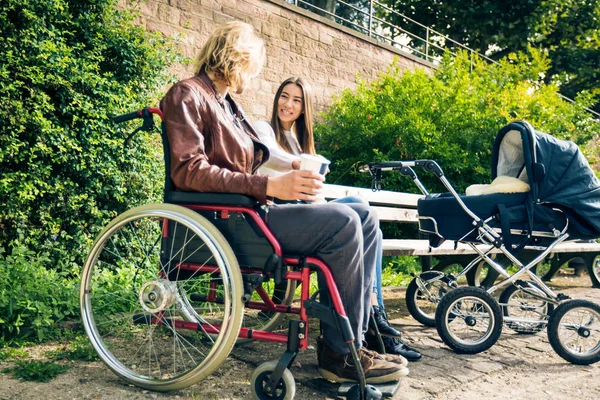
245	237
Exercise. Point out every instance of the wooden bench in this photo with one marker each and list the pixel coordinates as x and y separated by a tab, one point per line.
395	207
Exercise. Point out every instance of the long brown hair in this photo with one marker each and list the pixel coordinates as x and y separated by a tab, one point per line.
303	125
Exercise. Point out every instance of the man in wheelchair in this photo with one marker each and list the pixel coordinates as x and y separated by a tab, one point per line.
213	148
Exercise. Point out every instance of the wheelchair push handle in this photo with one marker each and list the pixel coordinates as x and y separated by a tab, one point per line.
145	113
127	117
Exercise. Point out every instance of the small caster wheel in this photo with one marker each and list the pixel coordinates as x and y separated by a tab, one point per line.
371	393
285	390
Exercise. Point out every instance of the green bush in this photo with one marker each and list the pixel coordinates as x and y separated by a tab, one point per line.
66	66
80	349
451	116
399	270
33	298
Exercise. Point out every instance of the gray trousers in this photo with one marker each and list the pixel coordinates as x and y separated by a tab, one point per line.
344	237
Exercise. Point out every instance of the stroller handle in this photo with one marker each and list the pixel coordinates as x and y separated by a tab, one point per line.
405	168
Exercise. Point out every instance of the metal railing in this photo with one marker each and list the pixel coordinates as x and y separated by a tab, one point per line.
372	19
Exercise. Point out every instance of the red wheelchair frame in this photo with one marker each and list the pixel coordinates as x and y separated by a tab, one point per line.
274	380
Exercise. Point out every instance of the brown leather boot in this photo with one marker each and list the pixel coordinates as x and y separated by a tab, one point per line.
393	358
338	367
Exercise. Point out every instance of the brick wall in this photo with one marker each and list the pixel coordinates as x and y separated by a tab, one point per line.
299	43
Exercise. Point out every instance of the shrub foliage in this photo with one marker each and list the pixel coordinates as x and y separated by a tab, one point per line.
451	116
66	67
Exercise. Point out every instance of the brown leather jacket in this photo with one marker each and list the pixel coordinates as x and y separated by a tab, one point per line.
210	150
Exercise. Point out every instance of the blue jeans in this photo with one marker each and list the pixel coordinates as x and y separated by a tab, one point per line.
377	282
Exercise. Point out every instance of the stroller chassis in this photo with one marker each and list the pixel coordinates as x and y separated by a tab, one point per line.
468	319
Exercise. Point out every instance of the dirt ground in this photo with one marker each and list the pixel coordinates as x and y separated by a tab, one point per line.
516	367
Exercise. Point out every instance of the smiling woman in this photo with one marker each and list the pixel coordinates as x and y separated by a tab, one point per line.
290	105
290	131
289	135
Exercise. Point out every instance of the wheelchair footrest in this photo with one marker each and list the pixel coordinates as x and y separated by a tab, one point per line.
387	389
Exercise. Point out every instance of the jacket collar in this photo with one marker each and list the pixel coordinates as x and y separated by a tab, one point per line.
210	85
204	78
212	90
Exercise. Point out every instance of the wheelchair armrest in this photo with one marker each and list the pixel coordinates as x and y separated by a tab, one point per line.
226	199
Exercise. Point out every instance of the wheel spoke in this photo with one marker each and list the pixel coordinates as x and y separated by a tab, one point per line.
138	314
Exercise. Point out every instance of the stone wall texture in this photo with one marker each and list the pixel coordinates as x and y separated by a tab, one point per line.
298	42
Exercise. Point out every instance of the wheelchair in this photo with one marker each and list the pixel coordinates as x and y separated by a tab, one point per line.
168	289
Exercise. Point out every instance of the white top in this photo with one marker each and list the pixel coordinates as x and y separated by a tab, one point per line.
280	161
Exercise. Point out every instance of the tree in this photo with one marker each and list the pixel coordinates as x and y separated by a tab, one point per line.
451	117
568	30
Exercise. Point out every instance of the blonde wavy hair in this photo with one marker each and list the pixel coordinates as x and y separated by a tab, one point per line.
233	53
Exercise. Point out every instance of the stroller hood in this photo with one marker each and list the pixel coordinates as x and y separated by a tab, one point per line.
556	171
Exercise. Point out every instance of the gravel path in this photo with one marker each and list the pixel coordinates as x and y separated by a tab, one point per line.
518	366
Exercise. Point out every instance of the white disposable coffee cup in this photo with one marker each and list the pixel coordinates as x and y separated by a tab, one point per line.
314	163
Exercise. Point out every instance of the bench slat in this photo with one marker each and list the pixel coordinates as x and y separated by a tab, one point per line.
416	247
387	214
382	197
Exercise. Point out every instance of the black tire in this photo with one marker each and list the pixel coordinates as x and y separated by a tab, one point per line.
286	388
472	308
574	331
482	275
520	303
594	271
418	304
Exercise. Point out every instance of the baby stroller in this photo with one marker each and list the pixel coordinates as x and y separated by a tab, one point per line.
563	203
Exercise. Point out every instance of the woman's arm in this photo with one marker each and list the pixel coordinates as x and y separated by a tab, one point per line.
279	159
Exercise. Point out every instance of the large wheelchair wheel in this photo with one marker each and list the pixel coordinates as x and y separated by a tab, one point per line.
574	331
469	320
148	271
524	310
422	300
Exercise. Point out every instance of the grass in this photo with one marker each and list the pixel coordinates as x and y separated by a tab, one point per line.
80	350
37	371
11	353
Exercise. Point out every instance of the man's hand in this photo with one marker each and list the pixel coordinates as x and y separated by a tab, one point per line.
295	185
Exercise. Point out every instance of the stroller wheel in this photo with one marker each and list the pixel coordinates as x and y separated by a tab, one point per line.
574	331
422	302
469	320
521	305
594	269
